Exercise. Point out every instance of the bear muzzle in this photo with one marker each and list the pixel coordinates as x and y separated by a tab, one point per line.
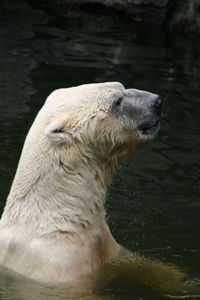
142	110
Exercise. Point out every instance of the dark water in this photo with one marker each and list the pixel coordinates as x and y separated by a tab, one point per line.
154	201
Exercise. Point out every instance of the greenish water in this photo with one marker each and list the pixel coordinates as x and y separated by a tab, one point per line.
154	201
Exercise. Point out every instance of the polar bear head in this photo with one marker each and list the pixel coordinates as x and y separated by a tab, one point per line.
102	116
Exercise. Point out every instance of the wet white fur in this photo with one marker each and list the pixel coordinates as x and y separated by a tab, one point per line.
53	227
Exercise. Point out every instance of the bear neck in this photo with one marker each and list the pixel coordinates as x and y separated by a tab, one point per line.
59	189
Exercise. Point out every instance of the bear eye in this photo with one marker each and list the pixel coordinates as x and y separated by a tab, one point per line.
118	101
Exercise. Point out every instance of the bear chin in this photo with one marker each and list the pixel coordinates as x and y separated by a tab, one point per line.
150	129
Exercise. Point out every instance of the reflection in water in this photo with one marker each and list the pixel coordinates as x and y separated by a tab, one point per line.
153	202
123	279
15	287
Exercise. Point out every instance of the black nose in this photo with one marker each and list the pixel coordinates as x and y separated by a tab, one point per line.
157	104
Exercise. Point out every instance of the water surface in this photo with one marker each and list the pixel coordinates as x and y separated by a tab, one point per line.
154	201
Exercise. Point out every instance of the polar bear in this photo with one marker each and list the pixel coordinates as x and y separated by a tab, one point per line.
54	228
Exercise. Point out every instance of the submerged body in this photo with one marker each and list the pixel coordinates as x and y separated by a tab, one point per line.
54	228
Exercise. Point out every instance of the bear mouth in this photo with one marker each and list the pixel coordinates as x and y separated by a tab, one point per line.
149	128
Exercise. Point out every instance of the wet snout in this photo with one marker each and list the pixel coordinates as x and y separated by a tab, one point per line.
145	109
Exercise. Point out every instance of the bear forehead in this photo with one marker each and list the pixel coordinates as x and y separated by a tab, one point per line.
87	95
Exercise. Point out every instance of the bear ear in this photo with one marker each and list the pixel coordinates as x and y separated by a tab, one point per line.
56	133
